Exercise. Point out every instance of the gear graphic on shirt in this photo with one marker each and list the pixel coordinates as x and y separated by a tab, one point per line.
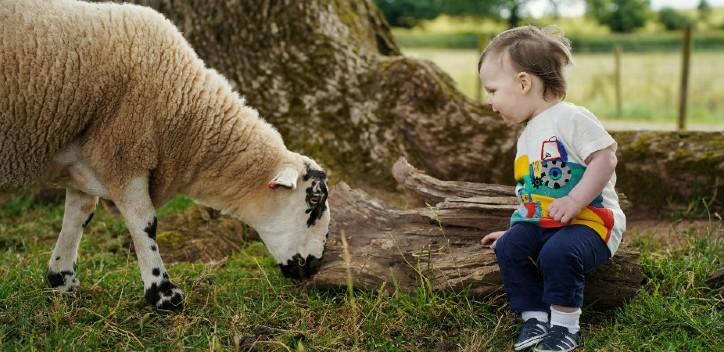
536	181
556	173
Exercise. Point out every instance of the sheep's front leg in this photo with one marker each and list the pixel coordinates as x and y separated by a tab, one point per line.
79	208
138	211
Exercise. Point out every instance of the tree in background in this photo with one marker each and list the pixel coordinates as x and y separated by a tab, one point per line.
513	8
673	20
556	5
498	9
555	8
622	16
409	13
704	10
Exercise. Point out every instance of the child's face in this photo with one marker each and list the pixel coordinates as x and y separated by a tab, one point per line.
506	94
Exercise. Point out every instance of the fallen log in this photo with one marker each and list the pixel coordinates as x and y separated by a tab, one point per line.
438	246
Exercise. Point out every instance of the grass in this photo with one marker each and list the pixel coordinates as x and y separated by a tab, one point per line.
586	34
590	43
650	84
245	304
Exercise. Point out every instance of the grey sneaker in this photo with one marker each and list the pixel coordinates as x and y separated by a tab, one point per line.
532	332
558	340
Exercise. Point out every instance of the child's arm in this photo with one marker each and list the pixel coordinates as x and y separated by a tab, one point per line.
601	165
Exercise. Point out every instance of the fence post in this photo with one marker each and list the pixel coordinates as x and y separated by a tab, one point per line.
684	90
482	43
617	79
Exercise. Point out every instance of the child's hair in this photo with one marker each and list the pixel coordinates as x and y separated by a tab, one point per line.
543	52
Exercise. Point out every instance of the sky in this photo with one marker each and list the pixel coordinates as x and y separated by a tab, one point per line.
538	8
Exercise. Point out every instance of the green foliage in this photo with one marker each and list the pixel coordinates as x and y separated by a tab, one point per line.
672	19
473	8
409	13
704	10
632	42
622	16
177	204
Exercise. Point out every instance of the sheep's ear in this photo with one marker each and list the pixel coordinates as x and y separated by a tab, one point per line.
287	178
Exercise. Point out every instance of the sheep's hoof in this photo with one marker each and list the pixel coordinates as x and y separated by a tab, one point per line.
64	281
165	296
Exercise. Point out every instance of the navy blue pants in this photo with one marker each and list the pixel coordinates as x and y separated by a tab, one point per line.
542	267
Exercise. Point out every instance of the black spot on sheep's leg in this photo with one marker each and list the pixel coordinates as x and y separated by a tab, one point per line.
153	248
151	229
165	295
156	272
88	220
65	279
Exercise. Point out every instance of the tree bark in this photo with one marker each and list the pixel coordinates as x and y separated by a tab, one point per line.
671	170
437	247
330	76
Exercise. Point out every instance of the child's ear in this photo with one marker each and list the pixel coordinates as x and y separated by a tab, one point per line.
525	82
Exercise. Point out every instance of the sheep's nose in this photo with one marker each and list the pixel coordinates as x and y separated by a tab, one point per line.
301	268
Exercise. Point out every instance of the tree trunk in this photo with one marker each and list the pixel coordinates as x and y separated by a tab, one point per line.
330	76
437	247
671	170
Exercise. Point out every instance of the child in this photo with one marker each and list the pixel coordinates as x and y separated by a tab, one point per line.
569	221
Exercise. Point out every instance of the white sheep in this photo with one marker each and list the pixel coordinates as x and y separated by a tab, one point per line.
109	100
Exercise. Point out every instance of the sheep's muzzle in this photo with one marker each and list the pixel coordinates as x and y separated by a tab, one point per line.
301	268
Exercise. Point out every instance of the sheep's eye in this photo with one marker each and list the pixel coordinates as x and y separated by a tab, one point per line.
314	200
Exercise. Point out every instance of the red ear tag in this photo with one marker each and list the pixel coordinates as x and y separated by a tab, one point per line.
272	185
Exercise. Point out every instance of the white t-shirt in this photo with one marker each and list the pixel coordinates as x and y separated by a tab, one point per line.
550	161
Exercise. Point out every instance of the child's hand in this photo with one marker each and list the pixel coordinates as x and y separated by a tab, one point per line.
564	209
491	238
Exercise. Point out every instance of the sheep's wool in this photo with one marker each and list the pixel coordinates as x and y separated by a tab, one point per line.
123	83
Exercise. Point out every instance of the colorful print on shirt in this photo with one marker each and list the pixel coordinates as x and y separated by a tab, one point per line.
539	182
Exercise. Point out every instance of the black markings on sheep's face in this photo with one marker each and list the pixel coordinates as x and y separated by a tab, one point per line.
151	229
298	267
317	194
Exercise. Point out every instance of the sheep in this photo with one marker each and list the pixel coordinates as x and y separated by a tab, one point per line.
110	101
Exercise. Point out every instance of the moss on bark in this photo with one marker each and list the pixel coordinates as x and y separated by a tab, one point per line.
658	169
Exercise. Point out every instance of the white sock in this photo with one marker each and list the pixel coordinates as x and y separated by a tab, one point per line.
540	315
569	320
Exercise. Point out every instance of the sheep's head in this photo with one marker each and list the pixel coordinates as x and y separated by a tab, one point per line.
293	219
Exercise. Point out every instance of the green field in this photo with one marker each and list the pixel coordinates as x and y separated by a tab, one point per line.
244	304
650	85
